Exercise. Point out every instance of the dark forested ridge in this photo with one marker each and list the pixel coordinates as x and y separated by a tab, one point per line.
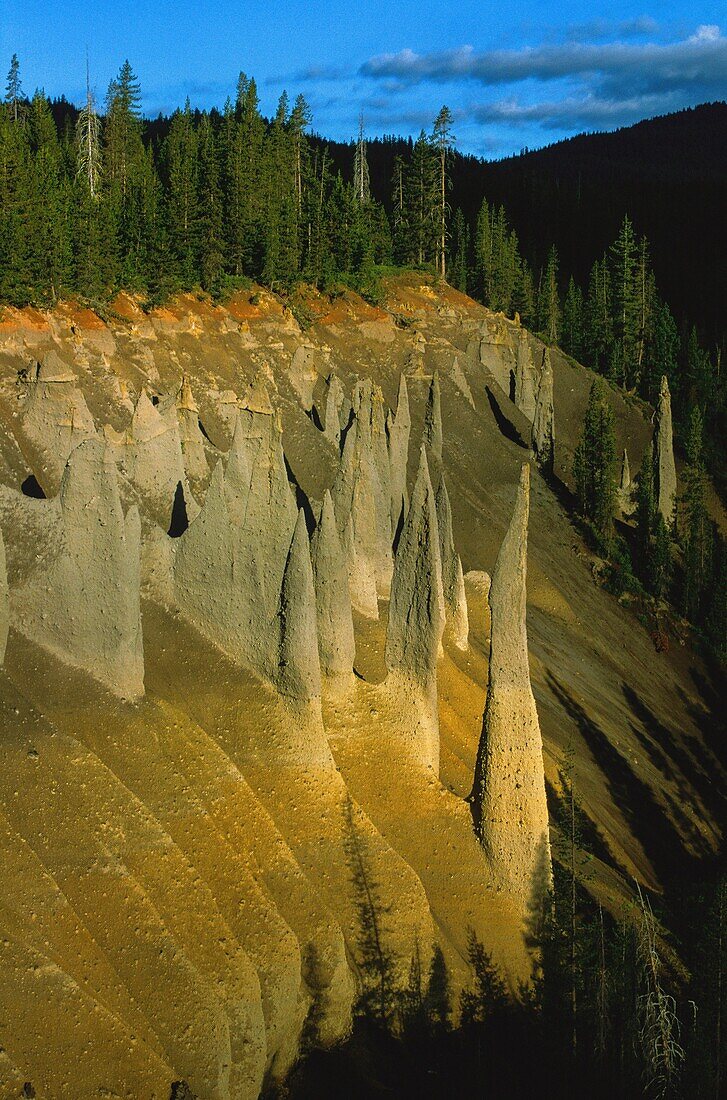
669	174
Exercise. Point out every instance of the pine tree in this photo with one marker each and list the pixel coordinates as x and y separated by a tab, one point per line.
572	323
598	335
14	89
123	128
594	463
181	163
421	203
625	307
209	204
48	220
442	141
361	180
696	526
458	271
549	300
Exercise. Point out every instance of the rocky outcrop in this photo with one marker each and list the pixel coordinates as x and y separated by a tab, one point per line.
455	599
543	433
4	601
362	491
508	801
55	418
433	425
298	672
373	458
194	455
525	398
625	501
398	433
151	460
85	608
334	406
336	646
416	621
666	476
230	562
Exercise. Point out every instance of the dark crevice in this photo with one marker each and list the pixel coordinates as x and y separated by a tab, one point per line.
31	488
180	521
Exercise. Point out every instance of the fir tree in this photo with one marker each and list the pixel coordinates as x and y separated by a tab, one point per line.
361	179
572	323
598	335
458	268
549	300
594	463
14	89
625	307
442	141
696	525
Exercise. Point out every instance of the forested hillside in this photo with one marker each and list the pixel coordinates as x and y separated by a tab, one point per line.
610	246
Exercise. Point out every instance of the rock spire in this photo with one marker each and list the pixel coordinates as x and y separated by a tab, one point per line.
525	398
455	600
416	617
399	433
336	645
508	801
298	673
666	477
543	434
433	423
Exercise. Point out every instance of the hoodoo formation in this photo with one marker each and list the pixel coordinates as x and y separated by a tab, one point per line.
416	615
204	808
543	434
336	644
666	475
509	807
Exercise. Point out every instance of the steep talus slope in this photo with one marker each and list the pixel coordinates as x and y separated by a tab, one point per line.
187	856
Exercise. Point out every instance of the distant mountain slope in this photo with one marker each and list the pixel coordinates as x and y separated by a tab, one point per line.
669	174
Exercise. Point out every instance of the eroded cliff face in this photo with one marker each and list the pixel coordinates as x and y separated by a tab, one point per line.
251	618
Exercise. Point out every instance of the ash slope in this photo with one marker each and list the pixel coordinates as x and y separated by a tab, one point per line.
182	884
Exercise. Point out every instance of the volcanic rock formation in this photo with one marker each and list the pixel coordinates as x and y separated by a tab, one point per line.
336	645
55	418
398	434
525	398
543	434
85	607
455	599
416	617
433	426
666	476
509	807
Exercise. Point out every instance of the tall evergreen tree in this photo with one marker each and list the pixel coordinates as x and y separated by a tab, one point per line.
624	359
571	336
594	462
549	316
14	89
696	525
442	140
361	178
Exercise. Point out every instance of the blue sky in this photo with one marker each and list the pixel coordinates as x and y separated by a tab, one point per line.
514	73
